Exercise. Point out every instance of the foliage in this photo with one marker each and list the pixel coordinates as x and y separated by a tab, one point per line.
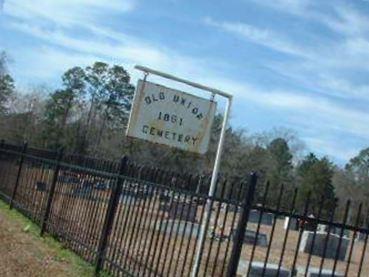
316	182
88	114
6	84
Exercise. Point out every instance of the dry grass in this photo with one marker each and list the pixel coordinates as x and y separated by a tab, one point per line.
24	253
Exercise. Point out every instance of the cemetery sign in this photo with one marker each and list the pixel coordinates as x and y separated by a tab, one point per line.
171	117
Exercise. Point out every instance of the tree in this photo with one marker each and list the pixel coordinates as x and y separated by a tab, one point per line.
359	168
280	170
316	179
282	162
356	175
6	84
59	107
111	95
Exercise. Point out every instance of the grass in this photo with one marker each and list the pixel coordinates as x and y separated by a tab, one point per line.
25	253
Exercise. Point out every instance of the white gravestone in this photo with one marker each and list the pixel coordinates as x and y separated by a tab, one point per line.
333	230
314	272
360	236
293	223
256	270
319	244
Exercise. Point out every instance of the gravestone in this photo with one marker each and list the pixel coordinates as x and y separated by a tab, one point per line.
183	211
102	186
337	231
319	244
262	239
266	219
83	191
293	223
164	206
314	272
256	270
184	228
249	238
40	186
233	208
360	236
333	230
322	228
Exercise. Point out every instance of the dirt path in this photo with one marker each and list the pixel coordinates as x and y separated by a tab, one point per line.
24	253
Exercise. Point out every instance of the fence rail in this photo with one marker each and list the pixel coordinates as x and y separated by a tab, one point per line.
133	220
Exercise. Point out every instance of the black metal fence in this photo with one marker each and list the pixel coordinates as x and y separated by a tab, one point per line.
139	221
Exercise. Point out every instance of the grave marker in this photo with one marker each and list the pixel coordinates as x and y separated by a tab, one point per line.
183	211
314	272
293	223
319	243
266	219
256	270
184	228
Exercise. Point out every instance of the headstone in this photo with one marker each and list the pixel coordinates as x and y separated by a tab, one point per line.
262	239
314	272
256	270
337	231
83	191
322	228
266	219
333	230
319	244
184	228
102	186
360	236
40	186
233	208
183	211
164	206
293	223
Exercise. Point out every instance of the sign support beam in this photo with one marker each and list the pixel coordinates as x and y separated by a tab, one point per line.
214	177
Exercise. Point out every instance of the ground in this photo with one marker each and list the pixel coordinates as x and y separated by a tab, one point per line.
24	253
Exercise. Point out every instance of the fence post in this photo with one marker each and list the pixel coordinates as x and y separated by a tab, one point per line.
51	192
24	149
241	227
109	216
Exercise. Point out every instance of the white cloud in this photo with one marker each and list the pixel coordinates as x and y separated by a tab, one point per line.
296	7
263	37
61	49
331	147
65	13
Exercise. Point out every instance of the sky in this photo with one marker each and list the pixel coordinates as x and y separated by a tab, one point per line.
297	64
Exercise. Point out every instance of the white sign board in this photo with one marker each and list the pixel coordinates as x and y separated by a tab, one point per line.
171	117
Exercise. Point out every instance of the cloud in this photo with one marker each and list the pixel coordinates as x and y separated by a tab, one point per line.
256	35
66	13
295	7
331	147
317	116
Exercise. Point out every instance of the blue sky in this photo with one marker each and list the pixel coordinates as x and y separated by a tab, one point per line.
300	64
